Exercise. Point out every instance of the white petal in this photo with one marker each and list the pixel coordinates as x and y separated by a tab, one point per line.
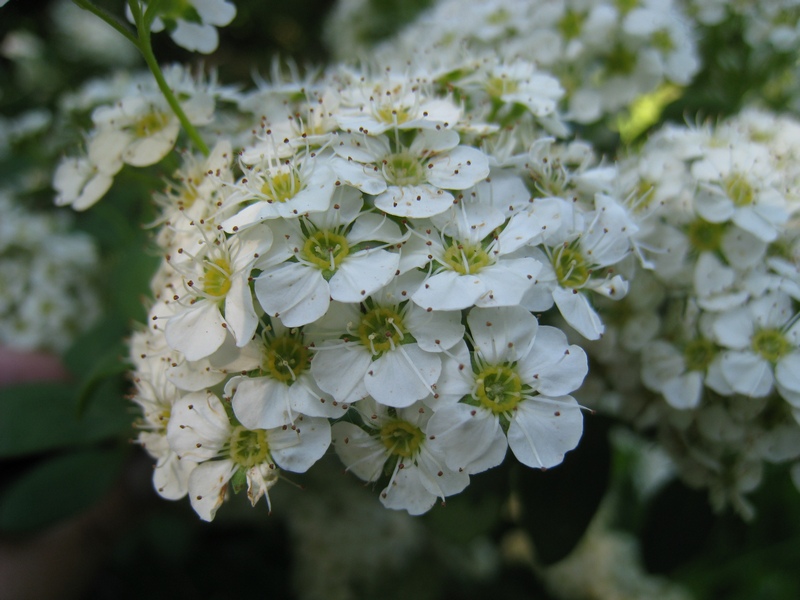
541	432
208	484
363	273
197	331
198	426
340	372
296	448
467	438
239	312
407	492
361	453
747	373
449	291
295	293
502	334
402	376
458	169
507	281
575	308
685	391
434	330
171	476
261	403
416	201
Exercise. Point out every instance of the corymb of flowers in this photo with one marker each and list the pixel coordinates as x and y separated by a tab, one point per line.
362	276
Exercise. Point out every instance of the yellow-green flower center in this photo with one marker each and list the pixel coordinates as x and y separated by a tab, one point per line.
150	123
326	249
739	190
282	186
698	354
393	114
466	258
249	447
571	24
381	329
571	268
401	438
496	87
662	40
705	236
771	344
216	278
285	359
620	61
403	169
499	388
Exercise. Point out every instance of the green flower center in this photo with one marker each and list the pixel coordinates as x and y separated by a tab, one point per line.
571	24
403	169
698	354
216	278
571	268
620	61
402	438
662	40
150	124
705	236
626	6
248	447
499	388
282	186
496	87
771	344
739	190
381	329
326	250
286	358
466	258
393	114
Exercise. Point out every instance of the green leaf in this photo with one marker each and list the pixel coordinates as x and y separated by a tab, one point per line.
558	504
57	488
95	346
39	417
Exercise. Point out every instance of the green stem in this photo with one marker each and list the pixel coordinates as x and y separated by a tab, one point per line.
147	51
142	42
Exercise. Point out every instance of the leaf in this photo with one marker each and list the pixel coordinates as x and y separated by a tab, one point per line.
42	416
558	504
57	488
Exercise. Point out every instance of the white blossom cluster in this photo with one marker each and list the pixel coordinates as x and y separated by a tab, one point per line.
605	53
47	295
714	324
132	125
365	273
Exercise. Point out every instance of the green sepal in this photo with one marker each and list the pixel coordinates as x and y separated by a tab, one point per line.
239	481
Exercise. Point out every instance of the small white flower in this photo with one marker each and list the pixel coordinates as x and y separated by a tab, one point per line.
401	442
200	431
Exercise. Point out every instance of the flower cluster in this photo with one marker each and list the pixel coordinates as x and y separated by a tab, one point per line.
47	296
714	327
606	53
373	258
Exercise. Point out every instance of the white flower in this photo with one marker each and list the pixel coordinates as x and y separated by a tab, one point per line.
282	389
338	255
514	386
400	442
762	338
217	280
474	265
200	431
281	189
397	102
412	181
387	348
